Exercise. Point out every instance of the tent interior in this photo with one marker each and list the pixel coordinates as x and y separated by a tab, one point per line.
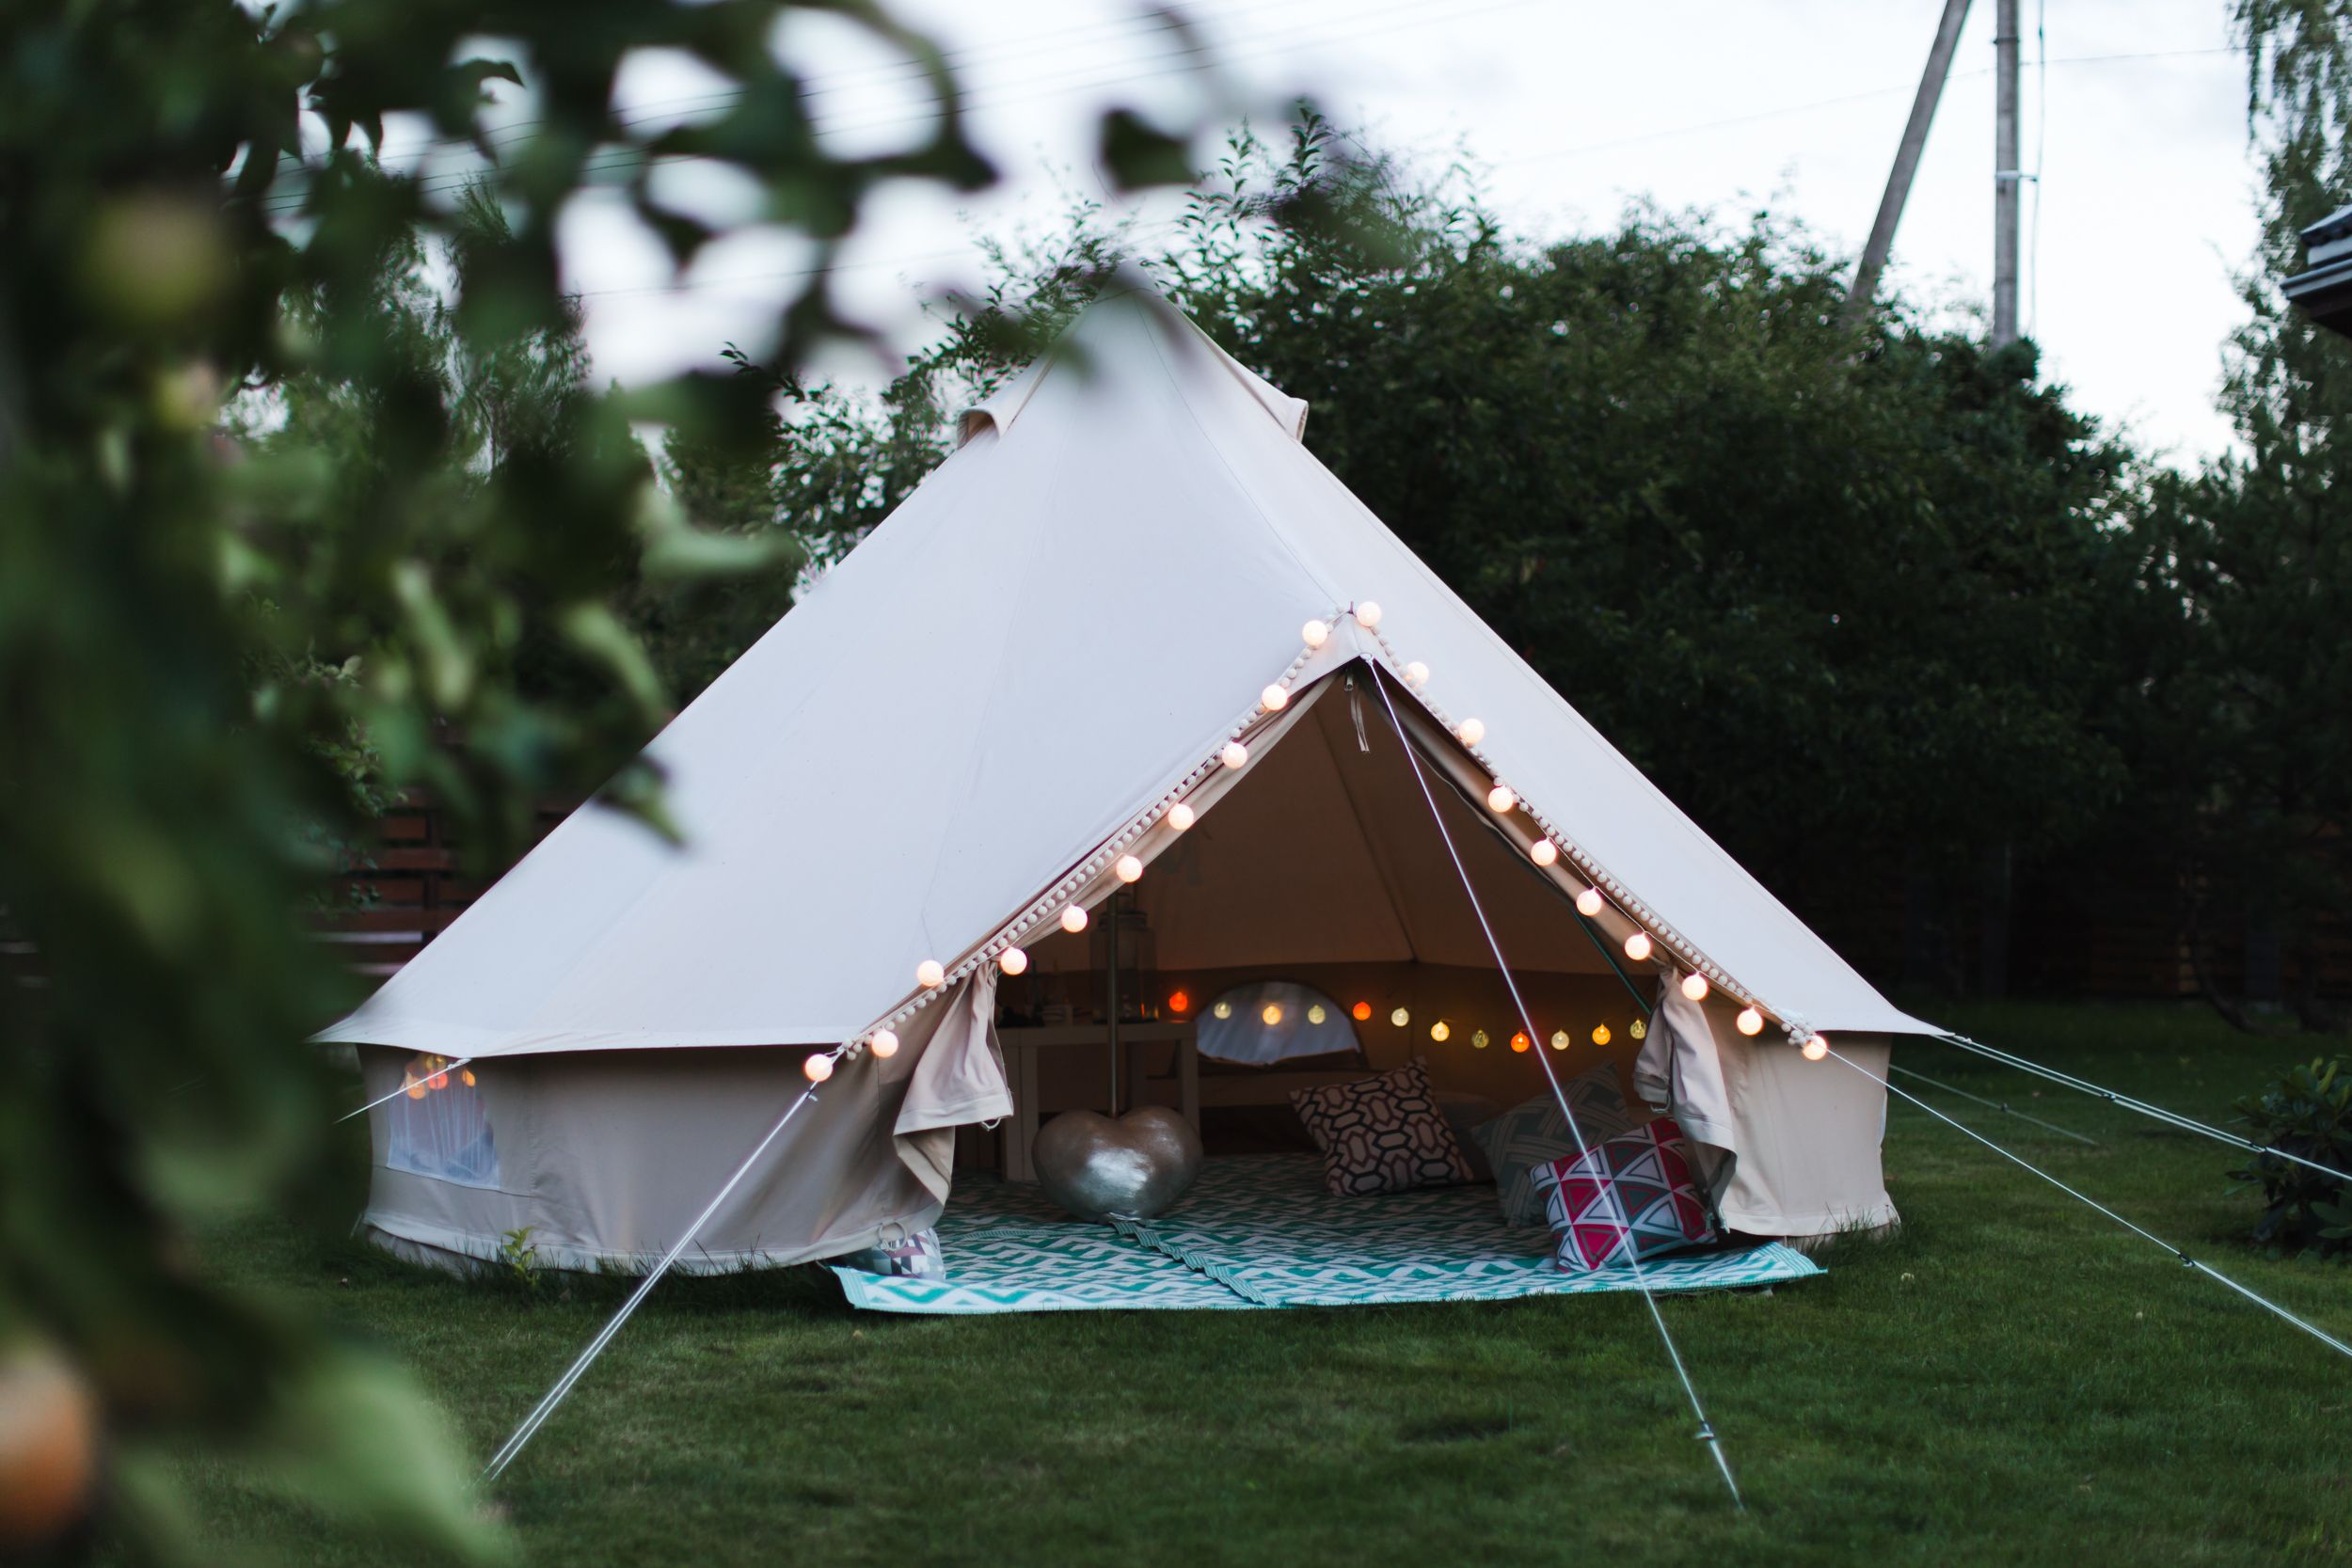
1316	906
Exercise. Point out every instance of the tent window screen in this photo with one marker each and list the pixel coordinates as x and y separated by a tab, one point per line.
438	1128
1272	1021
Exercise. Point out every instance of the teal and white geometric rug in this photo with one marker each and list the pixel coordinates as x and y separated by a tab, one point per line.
1259	1232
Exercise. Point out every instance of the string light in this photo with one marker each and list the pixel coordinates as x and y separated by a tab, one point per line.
884	1043
1013	961
1272	1013
1223	1009
1234	755
1361	1012
1274	699
1315	633
1368	614
1750	1021
1600	1034
467	1077
1315	1013
818	1068
1543	851
1559	1040
929	975
1400	1017
1640	1028
1478	1040
1694	986
1521	1044
1129	868
1637	946
1815	1047
1501	799
1588	902
1417	674
1470	731
1440	1031
1179	1000
1179	816
1074	919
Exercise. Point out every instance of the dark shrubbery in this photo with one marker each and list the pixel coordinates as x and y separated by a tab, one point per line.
2305	1111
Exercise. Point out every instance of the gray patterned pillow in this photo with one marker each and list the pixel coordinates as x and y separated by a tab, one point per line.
1536	1134
1383	1134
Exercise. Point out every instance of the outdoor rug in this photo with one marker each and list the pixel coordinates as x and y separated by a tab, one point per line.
1259	1232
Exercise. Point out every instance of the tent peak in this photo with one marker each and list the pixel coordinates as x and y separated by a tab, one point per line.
1132	329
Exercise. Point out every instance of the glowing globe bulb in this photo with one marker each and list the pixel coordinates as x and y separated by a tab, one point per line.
1234	755
1638	1029
1179	1000
1179	816
1274	699
1368	614
1815	1048
1478	1040
1012	960
1543	851
1272	1013
1588	902
1400	1017
1600	1034
1223	1009
1471	732
1440	1031
1637	946
1315	634
927	973
1521	1044
1694	986
1074	919
1361	1012
1128	868
885	1044
1315	1013
818	1068
1750	1021
467	1077
1417	674
1560	1039
1501	799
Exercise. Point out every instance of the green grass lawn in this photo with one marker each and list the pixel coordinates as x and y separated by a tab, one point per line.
2015	1379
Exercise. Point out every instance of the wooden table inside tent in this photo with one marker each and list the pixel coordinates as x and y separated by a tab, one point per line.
1022	1043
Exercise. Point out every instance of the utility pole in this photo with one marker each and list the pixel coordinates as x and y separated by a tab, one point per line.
2007	178
1865	278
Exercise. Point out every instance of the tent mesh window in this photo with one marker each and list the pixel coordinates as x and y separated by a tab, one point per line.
1273	1021
439	1127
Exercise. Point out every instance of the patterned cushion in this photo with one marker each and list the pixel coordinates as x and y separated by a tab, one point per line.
1631	1197
1534	1133
1383	1134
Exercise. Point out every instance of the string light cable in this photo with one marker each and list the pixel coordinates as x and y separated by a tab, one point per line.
2186	1261
1707	1433
2141	1107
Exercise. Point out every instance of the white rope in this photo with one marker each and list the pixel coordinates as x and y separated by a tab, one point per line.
2319	1334
531	1423
2157	1113
2001	1105
402	1090
1624	1224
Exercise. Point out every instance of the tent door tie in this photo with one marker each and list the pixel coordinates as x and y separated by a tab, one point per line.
1356	711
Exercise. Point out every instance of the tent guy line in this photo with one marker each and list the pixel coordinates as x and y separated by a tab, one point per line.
546	1407
1624	1224
2157	1113
2001	1105
398	1092
2186	1261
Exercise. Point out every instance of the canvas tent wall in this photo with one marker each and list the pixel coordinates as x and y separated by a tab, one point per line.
940	747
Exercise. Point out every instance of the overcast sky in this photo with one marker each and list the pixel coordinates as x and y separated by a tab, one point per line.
2147	202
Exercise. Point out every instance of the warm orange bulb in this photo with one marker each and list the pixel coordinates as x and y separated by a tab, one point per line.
1180	1002
1272	1013
1600	1034
1520	1044
1361	1011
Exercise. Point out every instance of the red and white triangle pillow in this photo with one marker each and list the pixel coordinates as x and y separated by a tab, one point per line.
1623	1199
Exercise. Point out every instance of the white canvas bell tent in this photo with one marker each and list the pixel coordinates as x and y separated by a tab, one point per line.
953	739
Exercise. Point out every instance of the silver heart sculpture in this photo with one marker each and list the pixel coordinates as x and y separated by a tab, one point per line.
1132	1168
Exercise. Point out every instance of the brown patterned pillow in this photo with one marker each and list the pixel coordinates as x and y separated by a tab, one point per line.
1384	1134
